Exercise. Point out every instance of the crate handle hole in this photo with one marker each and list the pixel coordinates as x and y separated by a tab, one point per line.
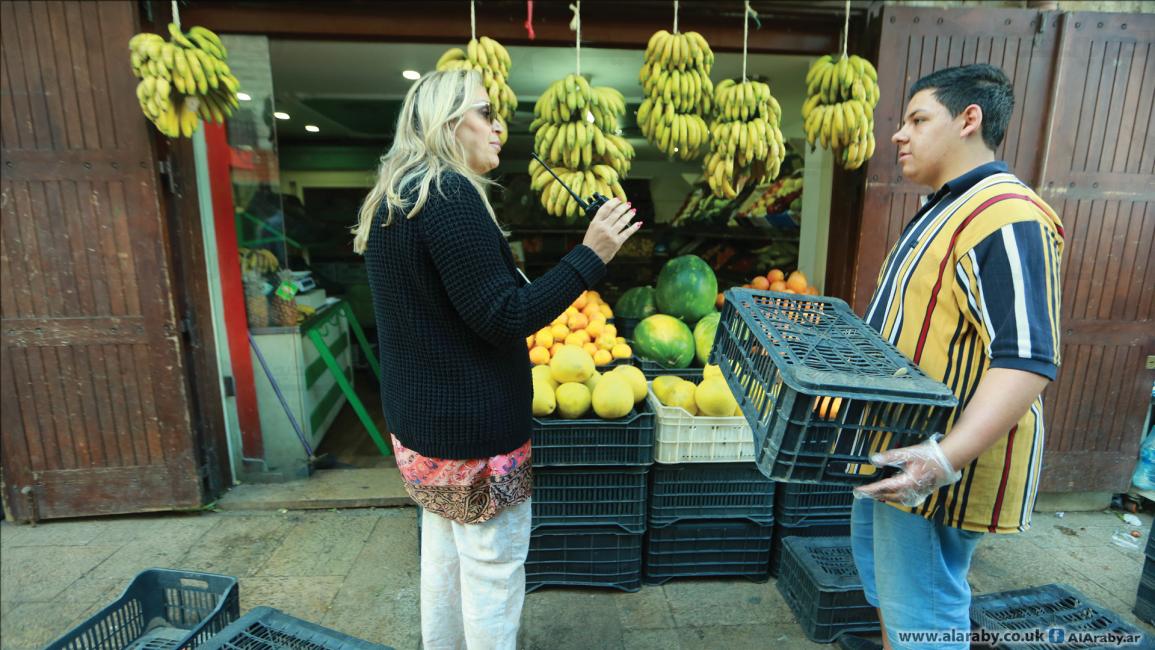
194	583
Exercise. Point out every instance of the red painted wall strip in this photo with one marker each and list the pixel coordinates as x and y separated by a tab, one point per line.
232	289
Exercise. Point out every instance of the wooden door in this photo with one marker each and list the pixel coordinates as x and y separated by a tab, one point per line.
1099	175
95	409
1085	145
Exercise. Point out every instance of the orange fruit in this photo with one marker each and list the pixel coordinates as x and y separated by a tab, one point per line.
622	351
594	296
592	349
581	301
578	322
775	275
777	285
574	339
789	291
612	330
602	357
606	311
544	337
539	355
812	291
596	326
591	309
796	282
827	407
584	336
746	286
760	283
529	342
719	300
560	331
555	348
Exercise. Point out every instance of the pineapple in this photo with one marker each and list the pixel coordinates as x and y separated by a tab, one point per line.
284	311
256	305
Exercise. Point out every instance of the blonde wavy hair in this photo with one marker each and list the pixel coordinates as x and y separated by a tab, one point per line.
424	147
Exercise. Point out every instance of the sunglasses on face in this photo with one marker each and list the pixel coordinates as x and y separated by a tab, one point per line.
486	112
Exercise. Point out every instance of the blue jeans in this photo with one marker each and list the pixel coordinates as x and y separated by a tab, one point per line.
915	571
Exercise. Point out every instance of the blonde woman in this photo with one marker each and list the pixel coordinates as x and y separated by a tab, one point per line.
453	312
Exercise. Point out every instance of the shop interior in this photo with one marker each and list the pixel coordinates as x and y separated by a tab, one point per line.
316	116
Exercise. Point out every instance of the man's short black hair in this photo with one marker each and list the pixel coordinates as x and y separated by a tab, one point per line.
982	84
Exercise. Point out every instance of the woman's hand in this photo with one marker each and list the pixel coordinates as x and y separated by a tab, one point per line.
610	228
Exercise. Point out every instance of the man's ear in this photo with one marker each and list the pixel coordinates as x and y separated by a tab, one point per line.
972	117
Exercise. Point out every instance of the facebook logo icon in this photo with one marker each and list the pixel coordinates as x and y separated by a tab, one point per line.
1056	635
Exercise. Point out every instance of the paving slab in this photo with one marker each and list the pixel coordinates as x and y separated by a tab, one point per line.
651	639
239	544
32	625
746	637
563	619
705	603
379	599
378	487
647	609
319	544
306	597
42	574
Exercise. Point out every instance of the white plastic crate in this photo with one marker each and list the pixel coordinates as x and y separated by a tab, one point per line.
683	438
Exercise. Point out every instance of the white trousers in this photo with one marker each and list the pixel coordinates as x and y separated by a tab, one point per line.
473	580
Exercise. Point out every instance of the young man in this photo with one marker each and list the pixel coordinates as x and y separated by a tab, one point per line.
970	292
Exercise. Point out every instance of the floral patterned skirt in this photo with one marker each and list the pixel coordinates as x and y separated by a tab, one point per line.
467	491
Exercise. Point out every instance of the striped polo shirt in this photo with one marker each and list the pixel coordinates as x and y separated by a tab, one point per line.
972	284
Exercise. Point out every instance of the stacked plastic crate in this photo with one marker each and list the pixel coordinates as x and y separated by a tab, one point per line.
809	510
589	501
711	511
821	391
1145	599
1069	619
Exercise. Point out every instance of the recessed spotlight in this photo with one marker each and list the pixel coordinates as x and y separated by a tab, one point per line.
244	97
281	115
411	75
312	128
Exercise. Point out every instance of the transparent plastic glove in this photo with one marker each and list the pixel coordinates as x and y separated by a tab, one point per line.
924	469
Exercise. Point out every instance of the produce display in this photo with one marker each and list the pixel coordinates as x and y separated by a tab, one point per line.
183	81
665	340
839	110
781	195
746	144
675	78
686	288
569	387
637	303
585	326
711	397
776	280
491	59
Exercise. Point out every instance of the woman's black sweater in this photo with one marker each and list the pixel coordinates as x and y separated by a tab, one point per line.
452	316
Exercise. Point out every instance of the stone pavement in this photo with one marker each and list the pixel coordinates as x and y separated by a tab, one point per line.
356	571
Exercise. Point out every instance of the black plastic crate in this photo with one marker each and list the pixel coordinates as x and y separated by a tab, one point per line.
1145	600
788	357
160	609
584	557
799	504
710	491
626	326
1049	607
653	369
1149	551
567	443
819	581
782	531
265	628
590	496
708	548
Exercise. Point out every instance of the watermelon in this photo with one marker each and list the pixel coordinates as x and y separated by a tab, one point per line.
665	340
637	303
704	333
687	288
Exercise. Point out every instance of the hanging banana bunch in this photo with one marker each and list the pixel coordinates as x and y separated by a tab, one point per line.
746	144
839	111
575	130
182	81
675	77
491	59
259	260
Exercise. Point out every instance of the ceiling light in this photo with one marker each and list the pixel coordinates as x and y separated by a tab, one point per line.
411	75
281	115
244	97
312	128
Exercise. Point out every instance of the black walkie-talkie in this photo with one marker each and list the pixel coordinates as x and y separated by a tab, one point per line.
595	203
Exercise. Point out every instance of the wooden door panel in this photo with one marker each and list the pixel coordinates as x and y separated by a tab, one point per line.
96	417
